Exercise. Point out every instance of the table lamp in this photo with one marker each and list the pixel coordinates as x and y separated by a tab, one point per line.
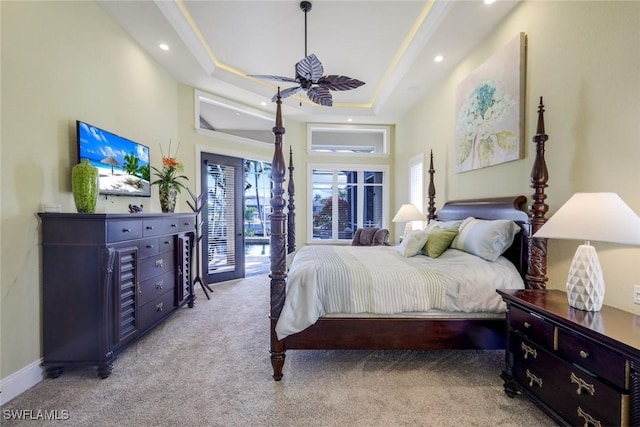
407	213
601	217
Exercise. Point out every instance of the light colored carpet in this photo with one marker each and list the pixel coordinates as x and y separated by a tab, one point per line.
209	366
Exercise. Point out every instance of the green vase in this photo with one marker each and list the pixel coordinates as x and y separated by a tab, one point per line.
84	184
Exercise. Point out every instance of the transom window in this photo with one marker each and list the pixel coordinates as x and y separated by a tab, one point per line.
345	199
350	140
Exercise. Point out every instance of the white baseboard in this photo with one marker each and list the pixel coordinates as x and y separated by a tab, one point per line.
21	381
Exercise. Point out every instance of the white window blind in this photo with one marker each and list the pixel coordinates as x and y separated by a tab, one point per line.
221	215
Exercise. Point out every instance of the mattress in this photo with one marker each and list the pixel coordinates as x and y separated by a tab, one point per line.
376	280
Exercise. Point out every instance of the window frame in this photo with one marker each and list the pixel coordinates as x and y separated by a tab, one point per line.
333	167
335	128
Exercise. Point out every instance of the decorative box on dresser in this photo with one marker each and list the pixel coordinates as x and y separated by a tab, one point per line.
580	367
107	279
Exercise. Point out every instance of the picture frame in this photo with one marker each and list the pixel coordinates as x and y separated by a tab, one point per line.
489	126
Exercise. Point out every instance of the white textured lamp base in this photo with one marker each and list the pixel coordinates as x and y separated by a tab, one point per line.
585	283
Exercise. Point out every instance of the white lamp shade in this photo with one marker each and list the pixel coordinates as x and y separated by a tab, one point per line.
408	212
600	217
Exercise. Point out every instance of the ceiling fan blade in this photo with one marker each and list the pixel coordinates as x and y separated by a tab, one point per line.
335	82
289	91
309	68
320	95
274	78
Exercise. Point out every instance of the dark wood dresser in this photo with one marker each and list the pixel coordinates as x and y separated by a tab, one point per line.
107	279
580	367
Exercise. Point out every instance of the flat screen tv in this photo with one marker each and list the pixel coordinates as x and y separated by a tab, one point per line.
123	164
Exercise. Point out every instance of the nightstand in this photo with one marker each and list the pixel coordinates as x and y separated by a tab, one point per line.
580	367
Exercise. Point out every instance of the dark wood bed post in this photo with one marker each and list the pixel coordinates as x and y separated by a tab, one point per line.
431	191
277	242
537	270
291	214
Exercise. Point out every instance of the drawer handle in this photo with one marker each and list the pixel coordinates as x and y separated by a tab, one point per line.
149	227
166	242
126	230
149	246
139	288
534	379
583	385
588	419
159	285
174	225
527	325
187	223
159	306
529	351
159	262
584	354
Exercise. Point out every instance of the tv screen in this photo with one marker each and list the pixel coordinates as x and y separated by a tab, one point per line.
123	164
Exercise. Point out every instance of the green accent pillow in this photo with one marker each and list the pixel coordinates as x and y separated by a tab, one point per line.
439	241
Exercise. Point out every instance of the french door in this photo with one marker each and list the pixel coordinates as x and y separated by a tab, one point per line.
222	216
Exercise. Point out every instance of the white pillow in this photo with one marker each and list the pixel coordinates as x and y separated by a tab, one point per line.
486	239
412	243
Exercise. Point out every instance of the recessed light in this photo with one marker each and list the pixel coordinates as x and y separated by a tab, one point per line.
349	119
263	103
163	46
438	58
489	1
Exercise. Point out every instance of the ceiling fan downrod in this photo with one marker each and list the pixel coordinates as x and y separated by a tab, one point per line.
305	6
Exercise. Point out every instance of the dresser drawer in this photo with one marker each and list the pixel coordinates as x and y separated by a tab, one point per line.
157	309
532	326
158	227
156	265
156	286
594	357
187	224
155	245
118	231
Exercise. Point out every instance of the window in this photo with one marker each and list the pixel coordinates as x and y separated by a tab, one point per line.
361	201
349	140
416	188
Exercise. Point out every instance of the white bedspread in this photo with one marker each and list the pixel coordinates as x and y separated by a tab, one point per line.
378	280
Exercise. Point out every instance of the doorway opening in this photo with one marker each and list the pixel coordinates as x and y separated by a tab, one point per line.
257	209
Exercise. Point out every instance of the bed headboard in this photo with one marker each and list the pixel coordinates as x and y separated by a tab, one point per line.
512	208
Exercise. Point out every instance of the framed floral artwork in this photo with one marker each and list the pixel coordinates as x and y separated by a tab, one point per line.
490	110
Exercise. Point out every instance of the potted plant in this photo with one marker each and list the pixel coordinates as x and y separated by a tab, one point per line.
169	180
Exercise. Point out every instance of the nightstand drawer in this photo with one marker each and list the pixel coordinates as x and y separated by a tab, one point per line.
594	357
532	326
566	388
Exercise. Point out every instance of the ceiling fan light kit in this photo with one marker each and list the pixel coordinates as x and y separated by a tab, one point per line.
309	75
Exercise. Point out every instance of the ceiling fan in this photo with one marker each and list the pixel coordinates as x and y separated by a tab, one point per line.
309	75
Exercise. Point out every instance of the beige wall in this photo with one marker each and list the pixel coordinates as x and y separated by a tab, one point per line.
63	61
583	57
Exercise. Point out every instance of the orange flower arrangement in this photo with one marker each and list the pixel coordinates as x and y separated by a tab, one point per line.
169	179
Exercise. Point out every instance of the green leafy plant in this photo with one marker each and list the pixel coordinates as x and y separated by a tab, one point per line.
169	177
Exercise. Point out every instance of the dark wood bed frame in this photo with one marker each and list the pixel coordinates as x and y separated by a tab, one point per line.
528	255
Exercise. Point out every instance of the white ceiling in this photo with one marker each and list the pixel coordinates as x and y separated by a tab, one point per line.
390	45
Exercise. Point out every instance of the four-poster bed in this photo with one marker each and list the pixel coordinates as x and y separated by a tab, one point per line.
450	331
